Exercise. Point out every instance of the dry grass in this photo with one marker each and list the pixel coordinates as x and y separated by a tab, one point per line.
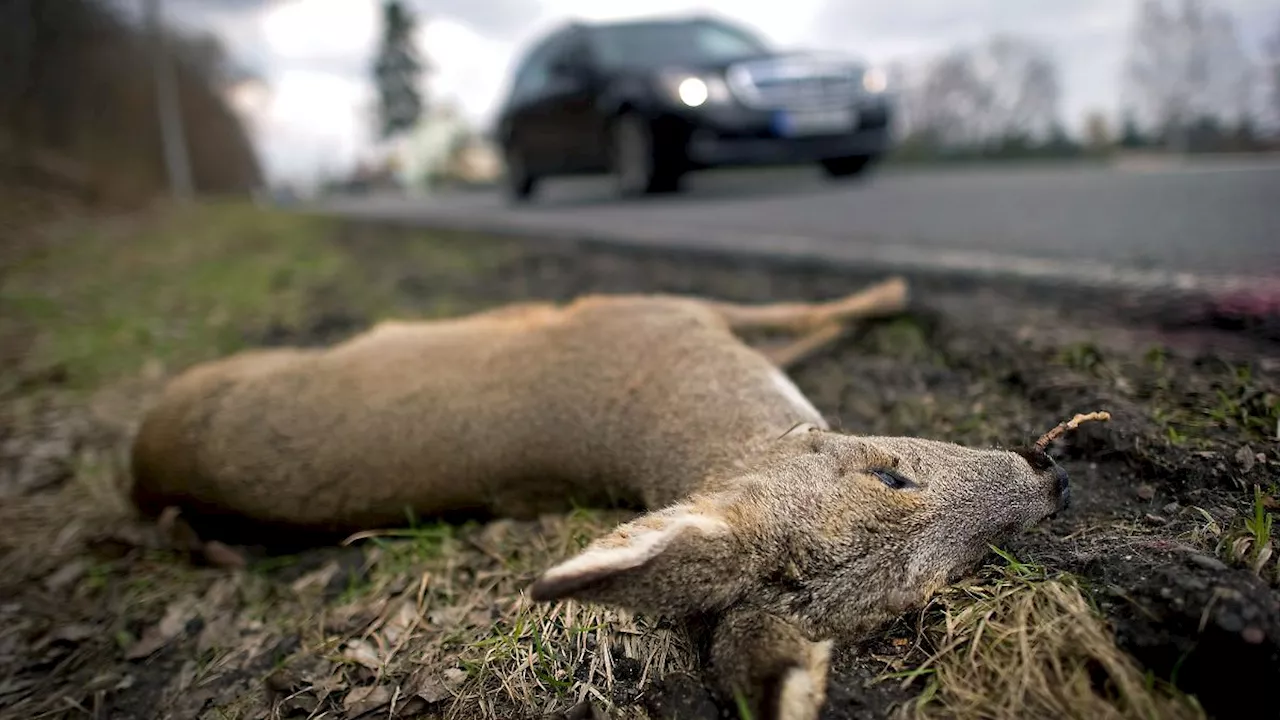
462	633
1019	642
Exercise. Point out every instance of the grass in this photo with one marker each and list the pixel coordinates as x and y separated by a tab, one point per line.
193	284
435	614
462	624
176	292
1020	641
1247	540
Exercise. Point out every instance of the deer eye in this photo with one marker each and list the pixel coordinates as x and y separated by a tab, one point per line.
892	478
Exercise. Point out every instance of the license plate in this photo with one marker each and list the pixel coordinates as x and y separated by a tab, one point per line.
815	122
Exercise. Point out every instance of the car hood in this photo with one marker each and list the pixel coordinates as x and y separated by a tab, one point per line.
817	60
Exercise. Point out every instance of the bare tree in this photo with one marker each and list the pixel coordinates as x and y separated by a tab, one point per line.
1186	66
1271	70
1006	87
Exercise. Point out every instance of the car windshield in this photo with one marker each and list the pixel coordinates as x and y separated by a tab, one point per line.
666	43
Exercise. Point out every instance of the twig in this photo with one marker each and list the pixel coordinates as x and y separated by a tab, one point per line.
1043	443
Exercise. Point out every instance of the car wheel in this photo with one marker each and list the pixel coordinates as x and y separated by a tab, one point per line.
846	167
639	167
518	182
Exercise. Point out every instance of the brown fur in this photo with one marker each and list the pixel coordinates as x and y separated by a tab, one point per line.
759	514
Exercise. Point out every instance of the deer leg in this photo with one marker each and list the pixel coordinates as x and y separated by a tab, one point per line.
765	663
885	298
803	347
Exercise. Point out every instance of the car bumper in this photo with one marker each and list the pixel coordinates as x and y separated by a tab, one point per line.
711	151
742	137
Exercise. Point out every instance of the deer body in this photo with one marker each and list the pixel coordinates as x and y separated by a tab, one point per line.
789	535
643	402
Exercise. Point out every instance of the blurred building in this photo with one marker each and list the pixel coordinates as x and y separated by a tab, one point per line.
443	150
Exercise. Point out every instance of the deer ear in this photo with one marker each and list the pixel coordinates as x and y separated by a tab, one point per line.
679	560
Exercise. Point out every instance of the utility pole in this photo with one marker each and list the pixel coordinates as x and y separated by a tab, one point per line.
172	135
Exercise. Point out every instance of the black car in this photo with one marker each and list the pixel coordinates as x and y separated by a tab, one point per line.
651	100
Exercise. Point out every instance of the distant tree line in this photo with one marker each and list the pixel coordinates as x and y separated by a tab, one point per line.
1188	85
78	105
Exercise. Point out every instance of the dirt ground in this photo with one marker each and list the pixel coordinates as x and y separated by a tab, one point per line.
1155	595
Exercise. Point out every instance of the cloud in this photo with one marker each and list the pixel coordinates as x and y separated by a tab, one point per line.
311	123
1087	38
469	69
493	19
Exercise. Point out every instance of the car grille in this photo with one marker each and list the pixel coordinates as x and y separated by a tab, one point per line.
873	118
773	84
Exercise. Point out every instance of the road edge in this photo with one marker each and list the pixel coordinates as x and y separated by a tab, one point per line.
857	256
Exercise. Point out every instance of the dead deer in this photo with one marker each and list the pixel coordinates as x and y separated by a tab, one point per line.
789	534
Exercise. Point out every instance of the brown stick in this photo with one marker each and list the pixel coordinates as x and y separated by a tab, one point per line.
1043	443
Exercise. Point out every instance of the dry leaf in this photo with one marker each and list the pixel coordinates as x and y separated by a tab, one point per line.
448	616
221	555
67	575
220	594
362	652
1246	458
73	633
219	632
435	686
363	699
404	621
175	620
316	578
453	677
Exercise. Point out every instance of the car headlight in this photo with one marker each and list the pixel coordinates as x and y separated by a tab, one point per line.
693	91
696	90
874	80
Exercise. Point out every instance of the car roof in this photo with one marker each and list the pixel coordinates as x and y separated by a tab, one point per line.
645	21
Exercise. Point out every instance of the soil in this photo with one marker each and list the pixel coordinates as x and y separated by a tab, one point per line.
1158	490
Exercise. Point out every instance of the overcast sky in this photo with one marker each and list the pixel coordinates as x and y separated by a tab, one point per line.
315	54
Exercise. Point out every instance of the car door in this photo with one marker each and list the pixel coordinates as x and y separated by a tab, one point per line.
573	109
527	129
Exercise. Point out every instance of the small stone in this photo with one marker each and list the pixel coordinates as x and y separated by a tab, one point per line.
1192	583
1171	509
1146	492
1208	563
1151	519
1253	635
1246	457
1230	621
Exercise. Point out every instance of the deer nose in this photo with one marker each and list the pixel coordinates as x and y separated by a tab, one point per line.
1064	486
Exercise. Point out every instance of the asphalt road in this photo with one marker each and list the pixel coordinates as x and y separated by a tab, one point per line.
1212	220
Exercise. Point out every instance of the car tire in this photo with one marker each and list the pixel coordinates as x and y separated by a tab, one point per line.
639	167
847	167
518	182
